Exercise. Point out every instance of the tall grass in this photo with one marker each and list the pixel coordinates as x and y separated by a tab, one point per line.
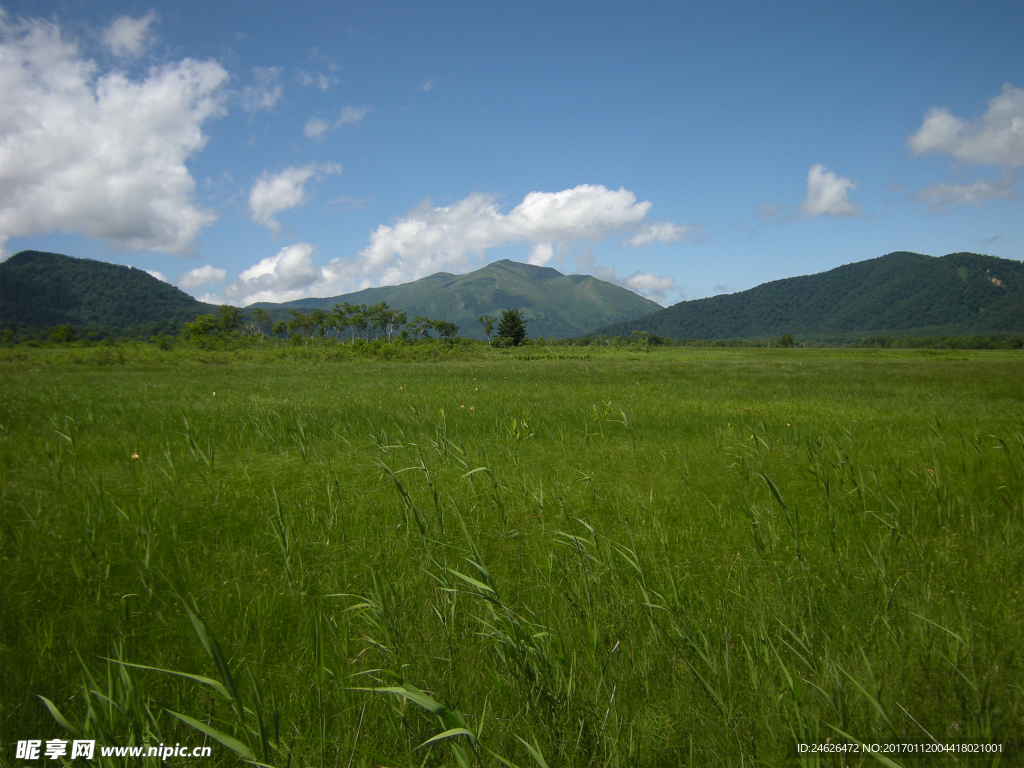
678	559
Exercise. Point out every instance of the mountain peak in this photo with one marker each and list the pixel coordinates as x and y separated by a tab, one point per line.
554	304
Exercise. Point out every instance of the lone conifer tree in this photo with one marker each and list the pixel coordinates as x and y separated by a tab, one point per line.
512	327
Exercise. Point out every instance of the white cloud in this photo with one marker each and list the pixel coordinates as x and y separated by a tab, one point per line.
428	239
453	238
265	92
664	232
316	128
127	37
319	80
158	275
826	194
942	196
654	287
201	276
769	210
427	86
284	277
100	154
995	138
272	194
541	254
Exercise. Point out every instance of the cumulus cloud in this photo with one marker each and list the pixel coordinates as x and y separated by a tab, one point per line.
201	276
265	92
664	232
941	196
158	275
429	239
654	287
826	194
995	138
286	276
541	254
274	193
452	238
126	37
102	154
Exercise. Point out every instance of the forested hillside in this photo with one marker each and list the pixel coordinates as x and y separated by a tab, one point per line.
41	290
901	293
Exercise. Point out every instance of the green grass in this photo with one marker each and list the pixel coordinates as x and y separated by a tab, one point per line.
612	559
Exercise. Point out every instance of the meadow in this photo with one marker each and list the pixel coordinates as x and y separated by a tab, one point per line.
685	557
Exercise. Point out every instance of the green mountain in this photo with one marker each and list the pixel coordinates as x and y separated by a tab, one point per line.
41	290
903	294
553	304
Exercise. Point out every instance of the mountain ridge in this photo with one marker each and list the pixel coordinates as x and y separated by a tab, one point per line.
901	293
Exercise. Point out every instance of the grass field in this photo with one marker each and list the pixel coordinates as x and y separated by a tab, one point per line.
679	558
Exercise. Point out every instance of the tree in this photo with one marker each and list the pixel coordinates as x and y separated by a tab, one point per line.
487	323
357	321
396	318
378	317
422	325
302	322
259	320
340	318
230	319
445	329
280	328
785	340
203	325
62	333
512	327
321	321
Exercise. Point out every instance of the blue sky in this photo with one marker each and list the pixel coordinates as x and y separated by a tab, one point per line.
273	150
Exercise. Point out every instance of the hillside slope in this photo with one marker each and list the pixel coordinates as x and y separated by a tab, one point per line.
554	304
41	290
900	293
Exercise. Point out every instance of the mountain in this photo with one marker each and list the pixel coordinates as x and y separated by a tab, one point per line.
41	290
902	293
553	304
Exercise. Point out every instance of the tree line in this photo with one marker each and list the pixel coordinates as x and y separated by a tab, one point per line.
353	322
